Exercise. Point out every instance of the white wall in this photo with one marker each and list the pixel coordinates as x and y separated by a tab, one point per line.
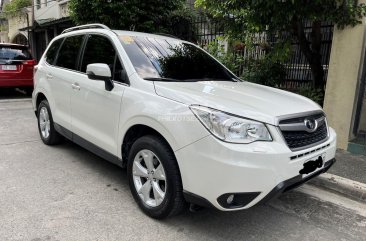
54	9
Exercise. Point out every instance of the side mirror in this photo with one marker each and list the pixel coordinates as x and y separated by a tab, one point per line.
100	72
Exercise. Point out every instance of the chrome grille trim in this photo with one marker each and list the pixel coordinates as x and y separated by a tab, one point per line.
297	115
299	126
297	136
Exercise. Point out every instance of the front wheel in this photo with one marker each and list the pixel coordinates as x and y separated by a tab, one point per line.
154	178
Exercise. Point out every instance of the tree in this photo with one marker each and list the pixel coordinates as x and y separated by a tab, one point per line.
287	18
16	7
145	16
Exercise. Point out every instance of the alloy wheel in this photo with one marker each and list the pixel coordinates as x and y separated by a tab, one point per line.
44	122
149	178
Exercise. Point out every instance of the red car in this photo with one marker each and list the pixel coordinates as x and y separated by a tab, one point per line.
16	67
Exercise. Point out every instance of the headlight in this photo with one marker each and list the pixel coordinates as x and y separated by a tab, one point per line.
230	128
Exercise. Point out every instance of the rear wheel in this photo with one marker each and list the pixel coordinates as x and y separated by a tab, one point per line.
154	177
46	127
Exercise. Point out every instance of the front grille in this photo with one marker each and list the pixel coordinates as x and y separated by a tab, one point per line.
300	139
301	119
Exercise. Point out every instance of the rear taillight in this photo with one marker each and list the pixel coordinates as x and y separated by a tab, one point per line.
29	62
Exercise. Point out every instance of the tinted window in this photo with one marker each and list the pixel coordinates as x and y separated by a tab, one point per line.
172	59
117	71
69	52
52	51
14	53
98	49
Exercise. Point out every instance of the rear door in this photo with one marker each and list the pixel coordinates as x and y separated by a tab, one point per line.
61	75
95	111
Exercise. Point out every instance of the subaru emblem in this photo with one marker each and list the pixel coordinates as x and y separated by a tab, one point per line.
310	125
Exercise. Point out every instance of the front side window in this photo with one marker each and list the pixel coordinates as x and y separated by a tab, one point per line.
118	70
52	51
172	60
69	52
100	49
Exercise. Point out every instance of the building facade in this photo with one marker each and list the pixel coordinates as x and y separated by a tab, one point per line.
50	19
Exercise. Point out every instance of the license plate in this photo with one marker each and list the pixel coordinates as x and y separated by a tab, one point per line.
9	67
312	165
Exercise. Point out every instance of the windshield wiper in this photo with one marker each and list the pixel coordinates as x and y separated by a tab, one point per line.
162	79
210	79
188	80
171	79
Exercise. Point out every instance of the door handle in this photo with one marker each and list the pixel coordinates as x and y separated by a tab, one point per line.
75	86
49	76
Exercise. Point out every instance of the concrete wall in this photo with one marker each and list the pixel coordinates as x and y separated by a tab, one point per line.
4	38
18	22
343	79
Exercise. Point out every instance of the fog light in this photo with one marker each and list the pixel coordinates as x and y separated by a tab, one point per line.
236	200
230	199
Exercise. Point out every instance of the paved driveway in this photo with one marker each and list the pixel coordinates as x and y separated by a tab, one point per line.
66	193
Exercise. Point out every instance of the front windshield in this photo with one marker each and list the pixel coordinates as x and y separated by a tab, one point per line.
172	60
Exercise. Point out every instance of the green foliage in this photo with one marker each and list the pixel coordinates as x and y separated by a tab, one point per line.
179	23
317	95
228	58
264	71
286	19
16	7
274	15
145	16
4	27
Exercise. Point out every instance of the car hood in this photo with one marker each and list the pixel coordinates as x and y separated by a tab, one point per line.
245	99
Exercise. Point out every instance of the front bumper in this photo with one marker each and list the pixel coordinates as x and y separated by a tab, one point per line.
211	170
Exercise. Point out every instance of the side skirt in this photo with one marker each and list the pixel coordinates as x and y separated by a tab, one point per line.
88	145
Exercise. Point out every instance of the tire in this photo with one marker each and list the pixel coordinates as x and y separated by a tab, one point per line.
173	201
46	127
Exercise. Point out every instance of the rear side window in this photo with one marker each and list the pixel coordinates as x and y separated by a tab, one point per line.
13	53
69	52
52	51
99	49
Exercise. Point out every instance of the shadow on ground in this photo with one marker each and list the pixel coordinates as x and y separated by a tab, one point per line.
12	93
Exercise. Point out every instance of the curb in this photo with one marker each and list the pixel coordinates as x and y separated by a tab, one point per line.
346	187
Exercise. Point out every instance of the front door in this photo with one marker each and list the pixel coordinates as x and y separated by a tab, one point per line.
95	111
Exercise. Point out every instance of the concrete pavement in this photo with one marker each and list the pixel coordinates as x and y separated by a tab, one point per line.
67	193
347	176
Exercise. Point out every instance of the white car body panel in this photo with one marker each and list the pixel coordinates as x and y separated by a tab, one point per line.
245	99
95	112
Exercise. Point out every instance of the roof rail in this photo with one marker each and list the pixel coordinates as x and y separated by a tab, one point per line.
86	26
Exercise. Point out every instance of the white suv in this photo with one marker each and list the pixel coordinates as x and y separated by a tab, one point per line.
187	129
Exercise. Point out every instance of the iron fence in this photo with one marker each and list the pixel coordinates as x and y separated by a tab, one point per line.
298	71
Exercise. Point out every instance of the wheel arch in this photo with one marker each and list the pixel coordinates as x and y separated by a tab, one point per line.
38	99
136	131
